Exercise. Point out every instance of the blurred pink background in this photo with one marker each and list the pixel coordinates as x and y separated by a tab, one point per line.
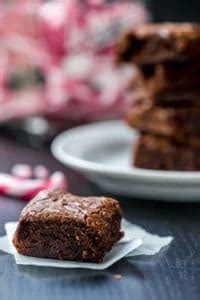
56	59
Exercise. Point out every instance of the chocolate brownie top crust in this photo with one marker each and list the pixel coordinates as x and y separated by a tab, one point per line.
153	43
56	204
165	30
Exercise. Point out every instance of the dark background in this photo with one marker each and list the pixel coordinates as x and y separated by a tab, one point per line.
174	10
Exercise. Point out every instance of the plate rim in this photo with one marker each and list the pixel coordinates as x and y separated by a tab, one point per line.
172	177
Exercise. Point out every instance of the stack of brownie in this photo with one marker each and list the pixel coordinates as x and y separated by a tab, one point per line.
167	112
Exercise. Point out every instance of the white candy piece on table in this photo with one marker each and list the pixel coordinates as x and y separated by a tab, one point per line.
57	180
41	171
22	170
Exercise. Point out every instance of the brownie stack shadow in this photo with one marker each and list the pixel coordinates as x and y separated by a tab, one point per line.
167	109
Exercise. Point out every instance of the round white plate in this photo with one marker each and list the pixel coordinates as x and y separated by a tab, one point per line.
102	151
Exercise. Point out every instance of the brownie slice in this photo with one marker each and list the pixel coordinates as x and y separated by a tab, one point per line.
181	123
155	43
169	82
170	76
67	227
159	153
159	89
175	97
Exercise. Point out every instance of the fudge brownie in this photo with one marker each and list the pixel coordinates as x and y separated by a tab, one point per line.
163	93
179	122
159	153
175	97
63	226
171	77
170	73
155	43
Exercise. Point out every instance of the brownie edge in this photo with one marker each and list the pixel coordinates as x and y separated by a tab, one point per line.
155	43
160	153
63	226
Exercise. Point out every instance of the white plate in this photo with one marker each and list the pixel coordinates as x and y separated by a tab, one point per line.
102	151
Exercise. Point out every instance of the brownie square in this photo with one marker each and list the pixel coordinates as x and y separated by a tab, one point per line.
173	97
159	153
170	82
182	123
155	43
171	75
63	226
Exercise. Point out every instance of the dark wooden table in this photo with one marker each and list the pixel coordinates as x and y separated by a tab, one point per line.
173	274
